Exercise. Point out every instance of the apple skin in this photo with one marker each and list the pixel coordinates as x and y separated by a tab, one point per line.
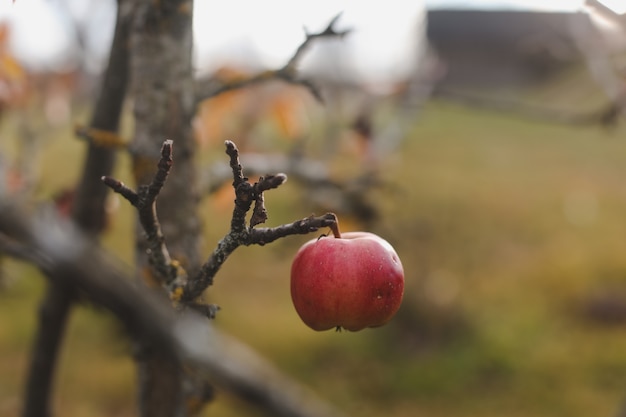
352	282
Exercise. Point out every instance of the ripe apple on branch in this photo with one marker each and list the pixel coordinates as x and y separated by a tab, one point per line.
352	280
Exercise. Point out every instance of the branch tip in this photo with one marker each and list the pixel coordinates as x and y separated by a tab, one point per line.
111	182
269	182
333	21
120	188
166	149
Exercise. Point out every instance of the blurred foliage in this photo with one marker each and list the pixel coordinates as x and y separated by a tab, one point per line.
509	231
13	78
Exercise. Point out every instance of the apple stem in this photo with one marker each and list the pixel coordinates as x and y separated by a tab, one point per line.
335	227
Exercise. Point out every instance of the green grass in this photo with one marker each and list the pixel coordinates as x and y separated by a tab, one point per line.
505	228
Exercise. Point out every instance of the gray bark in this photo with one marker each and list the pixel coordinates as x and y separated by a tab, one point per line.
162	88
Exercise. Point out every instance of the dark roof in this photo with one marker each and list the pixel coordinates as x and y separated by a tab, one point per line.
502	46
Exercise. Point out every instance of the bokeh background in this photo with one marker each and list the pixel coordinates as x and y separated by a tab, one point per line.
505	199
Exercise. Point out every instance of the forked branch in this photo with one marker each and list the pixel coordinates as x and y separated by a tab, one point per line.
242	233
144	200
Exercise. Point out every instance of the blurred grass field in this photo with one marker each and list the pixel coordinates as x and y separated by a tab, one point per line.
508	231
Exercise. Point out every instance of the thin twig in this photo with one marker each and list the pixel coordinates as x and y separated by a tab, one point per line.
121	188
259	213
164	166
242	235
287	73
262	236
339	196
144	200
235	164
328	32
242	187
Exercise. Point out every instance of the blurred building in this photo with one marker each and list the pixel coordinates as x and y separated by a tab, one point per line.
502	48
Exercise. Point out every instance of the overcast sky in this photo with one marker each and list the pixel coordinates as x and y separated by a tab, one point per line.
41	34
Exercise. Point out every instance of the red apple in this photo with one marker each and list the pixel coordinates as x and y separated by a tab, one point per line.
352	282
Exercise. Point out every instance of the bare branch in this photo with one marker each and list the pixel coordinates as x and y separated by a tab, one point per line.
240	234
287	73
70	260
262	236
328	32
296	167
259	213
121	188
187	291
167	270
269	182
88	211
164	166
259	236
235	164
196	286
346	196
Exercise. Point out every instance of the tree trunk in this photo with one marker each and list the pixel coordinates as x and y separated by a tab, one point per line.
162	79
162	86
